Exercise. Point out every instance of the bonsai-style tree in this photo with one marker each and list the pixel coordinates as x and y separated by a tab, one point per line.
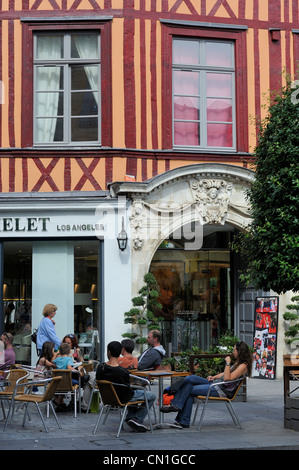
142	314
270	246
292	333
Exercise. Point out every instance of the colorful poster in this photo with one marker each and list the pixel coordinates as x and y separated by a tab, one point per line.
265	337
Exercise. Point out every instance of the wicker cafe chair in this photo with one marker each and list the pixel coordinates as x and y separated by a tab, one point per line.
66	386
26	398
15	376
226	400
110	400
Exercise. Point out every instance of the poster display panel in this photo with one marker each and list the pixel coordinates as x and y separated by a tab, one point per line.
265	337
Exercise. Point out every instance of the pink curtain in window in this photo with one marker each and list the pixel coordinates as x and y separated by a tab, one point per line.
186	108
218	93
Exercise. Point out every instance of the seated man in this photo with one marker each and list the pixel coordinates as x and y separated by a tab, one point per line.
113	372
7	354
152	357
128	361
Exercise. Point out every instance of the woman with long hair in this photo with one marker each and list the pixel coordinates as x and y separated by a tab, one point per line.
45	361
72	340
194	385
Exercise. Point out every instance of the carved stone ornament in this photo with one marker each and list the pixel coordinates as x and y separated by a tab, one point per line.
137	222
212	197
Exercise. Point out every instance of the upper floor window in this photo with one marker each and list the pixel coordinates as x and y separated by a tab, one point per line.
66	89
203	94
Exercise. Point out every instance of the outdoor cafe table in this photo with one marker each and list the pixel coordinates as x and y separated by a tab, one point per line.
160	375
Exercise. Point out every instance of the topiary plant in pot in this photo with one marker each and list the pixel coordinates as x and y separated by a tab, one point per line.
142	315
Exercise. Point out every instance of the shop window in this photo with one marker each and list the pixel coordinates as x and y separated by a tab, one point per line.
195	292
17	295
86	296
31	268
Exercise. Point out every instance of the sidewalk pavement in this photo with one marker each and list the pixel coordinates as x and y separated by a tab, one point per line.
262	417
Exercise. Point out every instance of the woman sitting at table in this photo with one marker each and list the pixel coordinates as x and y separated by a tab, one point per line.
76	355
194	385
75	352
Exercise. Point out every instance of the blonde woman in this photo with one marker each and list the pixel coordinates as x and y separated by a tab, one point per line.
46	330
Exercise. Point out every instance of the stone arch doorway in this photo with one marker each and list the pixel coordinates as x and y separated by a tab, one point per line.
204	201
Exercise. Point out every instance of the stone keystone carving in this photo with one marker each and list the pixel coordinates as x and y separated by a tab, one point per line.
212	197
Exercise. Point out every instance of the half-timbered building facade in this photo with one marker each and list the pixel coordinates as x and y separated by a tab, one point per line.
138	115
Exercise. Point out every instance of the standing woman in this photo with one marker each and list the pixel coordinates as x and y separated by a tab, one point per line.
46	330
194	385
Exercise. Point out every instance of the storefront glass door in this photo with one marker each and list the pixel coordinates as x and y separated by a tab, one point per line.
86	296
195	293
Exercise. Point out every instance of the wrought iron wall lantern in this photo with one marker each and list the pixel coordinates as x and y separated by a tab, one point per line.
122	238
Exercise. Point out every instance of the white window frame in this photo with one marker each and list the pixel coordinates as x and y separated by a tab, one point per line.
203	70
67	62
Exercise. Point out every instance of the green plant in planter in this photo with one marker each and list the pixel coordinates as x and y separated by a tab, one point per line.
206	366
141	316
228	341
293	331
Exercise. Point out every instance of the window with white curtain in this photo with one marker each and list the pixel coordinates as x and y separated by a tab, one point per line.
203	94
67	88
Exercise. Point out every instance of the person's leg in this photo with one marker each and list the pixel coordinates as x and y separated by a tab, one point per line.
87	390
140	412
203	390
184	416
184	392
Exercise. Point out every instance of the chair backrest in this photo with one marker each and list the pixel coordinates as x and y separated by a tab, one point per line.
52	388
108	393
65	384
88	366
13	376
238	388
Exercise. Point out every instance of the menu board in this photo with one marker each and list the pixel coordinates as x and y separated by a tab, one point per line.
265	337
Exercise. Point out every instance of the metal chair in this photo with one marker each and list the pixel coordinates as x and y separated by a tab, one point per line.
143	384
26	398
94	389
65	386
15	376
110	400
226	400
91	366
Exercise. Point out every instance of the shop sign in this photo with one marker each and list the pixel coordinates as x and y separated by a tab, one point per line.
49	226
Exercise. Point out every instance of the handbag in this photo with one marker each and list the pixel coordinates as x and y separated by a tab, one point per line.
34	335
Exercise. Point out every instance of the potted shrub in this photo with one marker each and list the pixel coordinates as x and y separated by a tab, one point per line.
141	315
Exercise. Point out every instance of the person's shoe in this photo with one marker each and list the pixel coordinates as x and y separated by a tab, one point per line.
84	410
180	425
169	409
61	408
136	426
176	425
